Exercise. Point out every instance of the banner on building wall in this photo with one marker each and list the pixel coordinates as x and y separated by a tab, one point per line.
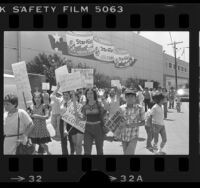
22	84
70	82
148	85
122	58
85	45
103	50
79	43
45	86
86	76
61	71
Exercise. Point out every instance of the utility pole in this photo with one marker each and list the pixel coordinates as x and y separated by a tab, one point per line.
174	46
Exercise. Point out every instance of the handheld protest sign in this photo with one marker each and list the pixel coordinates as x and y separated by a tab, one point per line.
45	86
60	72
86	76
70	82
53	88
149	85
22	83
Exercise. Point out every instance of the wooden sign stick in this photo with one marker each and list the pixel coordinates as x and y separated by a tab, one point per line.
75	107
24	100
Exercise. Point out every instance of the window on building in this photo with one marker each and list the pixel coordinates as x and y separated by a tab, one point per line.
182	68
170	65
185	70
178	67
174	66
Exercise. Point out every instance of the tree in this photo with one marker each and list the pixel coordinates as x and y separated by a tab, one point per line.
46	65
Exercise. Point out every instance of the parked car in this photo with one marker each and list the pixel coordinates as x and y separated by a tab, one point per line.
183	93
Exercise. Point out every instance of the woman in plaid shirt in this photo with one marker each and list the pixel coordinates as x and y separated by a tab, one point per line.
134	115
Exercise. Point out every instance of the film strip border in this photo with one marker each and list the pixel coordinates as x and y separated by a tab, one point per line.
151	168
104	16
75	169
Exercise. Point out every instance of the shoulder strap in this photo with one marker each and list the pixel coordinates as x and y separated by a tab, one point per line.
18	126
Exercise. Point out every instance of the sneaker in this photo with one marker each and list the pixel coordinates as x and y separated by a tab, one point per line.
160	152
150	148
155	148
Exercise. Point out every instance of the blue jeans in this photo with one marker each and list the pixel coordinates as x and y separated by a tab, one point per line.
159	129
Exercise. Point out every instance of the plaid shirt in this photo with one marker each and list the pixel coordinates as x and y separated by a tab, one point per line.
132	116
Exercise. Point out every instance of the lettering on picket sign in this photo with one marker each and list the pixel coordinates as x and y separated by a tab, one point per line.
115	121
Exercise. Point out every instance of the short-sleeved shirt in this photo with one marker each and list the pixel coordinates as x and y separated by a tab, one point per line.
157	115
11	128
132	117
114	104
55	104
147	95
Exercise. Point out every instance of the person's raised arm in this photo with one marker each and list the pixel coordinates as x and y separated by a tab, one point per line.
56	90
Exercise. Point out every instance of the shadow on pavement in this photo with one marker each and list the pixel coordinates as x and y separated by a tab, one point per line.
109	138
169	120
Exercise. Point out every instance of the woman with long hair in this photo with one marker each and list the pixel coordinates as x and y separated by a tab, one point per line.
40	113
93	112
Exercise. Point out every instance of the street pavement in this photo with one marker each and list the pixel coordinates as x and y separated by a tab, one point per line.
177	129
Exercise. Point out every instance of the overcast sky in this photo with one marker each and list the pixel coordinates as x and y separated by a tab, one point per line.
163	38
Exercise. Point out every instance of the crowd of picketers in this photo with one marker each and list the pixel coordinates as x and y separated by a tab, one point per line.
138	107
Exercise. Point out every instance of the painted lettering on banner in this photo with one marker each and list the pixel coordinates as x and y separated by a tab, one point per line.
103	50
79	43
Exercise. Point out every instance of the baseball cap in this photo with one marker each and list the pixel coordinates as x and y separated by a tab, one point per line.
130	91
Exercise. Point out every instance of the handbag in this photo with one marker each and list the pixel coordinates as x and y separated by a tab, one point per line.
22	149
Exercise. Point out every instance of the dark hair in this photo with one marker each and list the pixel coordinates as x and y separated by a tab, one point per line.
11	98
128	94
77	95
95	95
158	97
41	96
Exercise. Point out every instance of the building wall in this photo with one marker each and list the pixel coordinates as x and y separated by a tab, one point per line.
169	71
151	63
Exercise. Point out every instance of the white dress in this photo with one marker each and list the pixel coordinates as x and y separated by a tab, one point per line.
11	128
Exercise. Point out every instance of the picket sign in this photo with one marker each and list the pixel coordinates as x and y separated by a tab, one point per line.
115	83
22	84
45	86
53	88
149	85
70	82
70	116
86	76
61	71
115	121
